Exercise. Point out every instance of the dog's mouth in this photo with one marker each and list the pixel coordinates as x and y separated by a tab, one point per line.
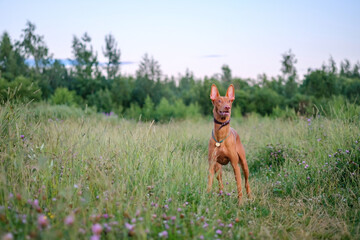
224	113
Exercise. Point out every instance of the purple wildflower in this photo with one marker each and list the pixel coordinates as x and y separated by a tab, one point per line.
107	227
96	229
218	232
95	237
163	234
8	236
42	221
69	220
129	226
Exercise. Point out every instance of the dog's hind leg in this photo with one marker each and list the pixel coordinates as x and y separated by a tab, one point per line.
243	163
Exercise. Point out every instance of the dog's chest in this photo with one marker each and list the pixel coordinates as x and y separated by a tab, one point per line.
221	156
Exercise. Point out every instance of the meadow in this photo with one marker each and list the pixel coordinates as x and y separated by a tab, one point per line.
67	173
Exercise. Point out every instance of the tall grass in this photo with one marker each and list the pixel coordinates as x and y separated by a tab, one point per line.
138	180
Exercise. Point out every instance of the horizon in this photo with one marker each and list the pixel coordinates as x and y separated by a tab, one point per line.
248	37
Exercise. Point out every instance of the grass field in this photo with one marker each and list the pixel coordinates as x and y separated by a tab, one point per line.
68	174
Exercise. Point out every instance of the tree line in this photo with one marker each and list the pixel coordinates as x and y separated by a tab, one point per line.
151	95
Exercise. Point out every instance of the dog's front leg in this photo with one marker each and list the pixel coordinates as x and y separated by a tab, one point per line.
211	175
218	172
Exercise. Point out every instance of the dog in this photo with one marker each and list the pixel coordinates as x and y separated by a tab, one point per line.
225	145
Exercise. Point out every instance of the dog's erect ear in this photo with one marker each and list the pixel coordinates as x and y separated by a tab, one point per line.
214	93
230	93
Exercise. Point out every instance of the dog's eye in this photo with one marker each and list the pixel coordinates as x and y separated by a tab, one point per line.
219	101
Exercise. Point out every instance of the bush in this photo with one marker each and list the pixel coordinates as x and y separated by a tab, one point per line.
180	109
21	89
148	109
133	112
236	112
281	113
193	111
164	111
266	100
101	100
62	96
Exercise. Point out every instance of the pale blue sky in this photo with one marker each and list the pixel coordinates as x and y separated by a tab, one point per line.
249	36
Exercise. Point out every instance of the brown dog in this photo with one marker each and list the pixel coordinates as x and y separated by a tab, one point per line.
225	145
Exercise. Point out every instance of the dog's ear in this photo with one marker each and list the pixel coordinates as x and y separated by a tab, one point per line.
214	93
230	93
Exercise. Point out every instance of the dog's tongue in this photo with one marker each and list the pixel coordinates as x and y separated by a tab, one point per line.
223	113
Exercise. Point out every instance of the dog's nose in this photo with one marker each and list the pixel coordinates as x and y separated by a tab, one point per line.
227	107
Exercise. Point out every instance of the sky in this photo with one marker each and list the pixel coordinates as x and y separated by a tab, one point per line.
201	36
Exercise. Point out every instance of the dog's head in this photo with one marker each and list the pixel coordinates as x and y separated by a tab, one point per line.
222	105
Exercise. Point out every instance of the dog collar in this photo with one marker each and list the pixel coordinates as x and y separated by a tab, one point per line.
218	142
223	124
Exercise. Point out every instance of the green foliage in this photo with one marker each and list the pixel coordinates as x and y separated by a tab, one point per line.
44	112
113	92
193	111
113	55
33	45
85	62
164	111
133	112
236	112
53	76
121	90
265	100
351	89
12	63
288	113
339	108
63	96
320	83
180	110
101	100
149	68
148	109
21	89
